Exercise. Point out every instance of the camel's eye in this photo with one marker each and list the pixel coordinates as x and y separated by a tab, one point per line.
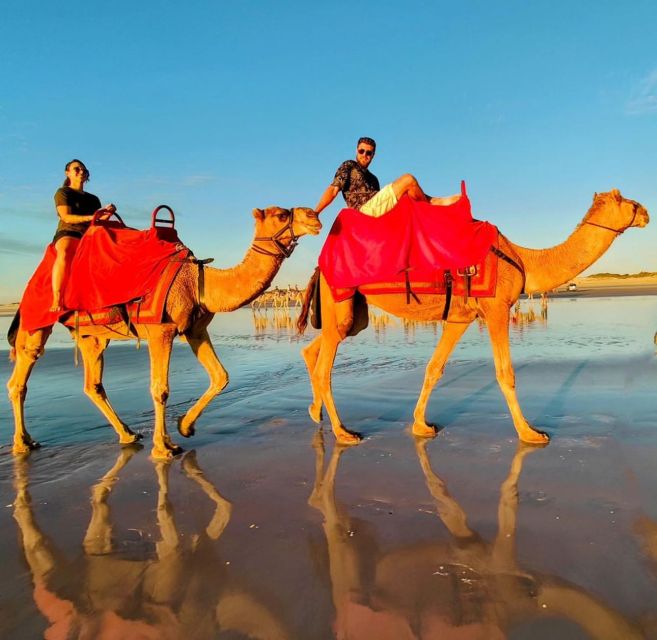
283	217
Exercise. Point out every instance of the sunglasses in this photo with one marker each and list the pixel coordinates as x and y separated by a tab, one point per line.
79	170
367	152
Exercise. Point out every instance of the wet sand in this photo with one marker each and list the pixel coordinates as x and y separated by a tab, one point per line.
265	529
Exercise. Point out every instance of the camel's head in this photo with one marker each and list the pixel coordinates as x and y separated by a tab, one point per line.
612	211
281	228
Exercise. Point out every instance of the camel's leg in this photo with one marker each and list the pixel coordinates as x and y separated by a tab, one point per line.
452	332
92	350
310	353
337	318
498	329
29	348
204	352
160	340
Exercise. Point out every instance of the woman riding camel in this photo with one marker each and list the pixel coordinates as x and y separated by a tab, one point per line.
75	208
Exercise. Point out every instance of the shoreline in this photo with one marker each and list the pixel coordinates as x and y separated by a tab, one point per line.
587	287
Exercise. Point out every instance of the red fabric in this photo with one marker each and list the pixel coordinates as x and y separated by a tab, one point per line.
414	236
113	265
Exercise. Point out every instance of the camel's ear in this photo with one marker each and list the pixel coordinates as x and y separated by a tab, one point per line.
258	214
595	195
616	194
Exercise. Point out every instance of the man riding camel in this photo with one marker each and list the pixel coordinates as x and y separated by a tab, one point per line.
360	187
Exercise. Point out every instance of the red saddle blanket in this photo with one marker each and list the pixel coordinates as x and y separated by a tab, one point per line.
113	265
414	243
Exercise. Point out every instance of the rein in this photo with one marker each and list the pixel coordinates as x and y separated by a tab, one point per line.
616	231
280	248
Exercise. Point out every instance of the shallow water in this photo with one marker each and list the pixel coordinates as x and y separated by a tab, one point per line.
464	536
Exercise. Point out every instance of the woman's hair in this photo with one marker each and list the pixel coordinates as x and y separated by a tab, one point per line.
87	175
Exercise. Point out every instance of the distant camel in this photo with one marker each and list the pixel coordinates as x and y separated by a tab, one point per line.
187	315
535	270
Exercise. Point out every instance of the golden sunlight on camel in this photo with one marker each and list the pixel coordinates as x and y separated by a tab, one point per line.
190	306
536	271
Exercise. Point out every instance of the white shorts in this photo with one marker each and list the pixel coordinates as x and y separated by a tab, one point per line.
380	203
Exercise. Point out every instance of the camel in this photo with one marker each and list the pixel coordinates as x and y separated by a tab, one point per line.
467	587
190	306
534	271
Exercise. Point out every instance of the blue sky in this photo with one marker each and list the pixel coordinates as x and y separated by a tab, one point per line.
216	108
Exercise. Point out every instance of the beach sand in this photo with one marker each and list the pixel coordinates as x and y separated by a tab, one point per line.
265	529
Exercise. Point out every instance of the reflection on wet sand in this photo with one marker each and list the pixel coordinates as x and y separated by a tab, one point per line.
466	588
176	590
280	320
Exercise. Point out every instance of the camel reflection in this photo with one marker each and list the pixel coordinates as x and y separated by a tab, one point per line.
176	591
467	588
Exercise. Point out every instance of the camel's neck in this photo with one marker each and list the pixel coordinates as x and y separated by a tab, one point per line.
229	289
546	269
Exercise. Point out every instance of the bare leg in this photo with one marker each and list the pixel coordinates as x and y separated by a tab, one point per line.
92	350
409	184
498	327
204	352
310	355
65	248
160	340
29	348
452	332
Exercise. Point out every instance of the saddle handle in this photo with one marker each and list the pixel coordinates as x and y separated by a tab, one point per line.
171	221
106	214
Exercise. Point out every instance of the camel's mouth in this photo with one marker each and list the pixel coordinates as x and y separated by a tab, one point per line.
642	217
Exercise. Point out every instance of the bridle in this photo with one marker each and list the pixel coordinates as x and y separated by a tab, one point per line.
280	248
616	231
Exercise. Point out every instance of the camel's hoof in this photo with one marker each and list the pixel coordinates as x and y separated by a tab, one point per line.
185	431
21	448
133	438
348	438
425	430
315	413
534	437
165	453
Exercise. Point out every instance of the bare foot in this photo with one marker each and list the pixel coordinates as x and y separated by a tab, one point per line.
446	200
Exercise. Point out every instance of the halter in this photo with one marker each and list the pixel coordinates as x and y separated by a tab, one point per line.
281	249
616	231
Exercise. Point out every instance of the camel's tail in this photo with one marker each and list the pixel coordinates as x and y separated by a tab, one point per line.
302	321
11	335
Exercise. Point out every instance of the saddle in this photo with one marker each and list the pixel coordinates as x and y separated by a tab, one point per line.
118	274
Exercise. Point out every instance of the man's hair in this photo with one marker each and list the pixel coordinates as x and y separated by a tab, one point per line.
366	140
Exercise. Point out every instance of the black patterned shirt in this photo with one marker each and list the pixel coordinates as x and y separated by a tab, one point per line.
358	185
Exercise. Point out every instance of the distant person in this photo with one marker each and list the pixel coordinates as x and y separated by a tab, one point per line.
360	187
75	208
